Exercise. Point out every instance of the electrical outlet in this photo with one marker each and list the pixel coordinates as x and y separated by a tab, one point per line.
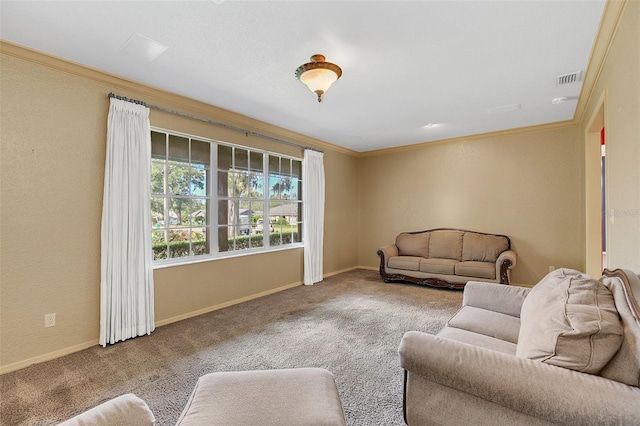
50	320
552	268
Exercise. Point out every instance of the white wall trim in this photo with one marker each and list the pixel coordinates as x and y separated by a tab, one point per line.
225	304
46	357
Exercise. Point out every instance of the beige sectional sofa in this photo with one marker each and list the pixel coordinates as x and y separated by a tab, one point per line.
566	351
446	257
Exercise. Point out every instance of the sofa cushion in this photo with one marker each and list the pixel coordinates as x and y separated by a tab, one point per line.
410	263
413	244
570	320
478	339
482	247
297	396
483	321
476	269
446	244
125	409
438	266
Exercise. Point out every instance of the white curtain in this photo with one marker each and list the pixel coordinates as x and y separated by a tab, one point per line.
126	286
313	215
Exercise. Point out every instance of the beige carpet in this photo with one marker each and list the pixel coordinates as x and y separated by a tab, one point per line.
350	324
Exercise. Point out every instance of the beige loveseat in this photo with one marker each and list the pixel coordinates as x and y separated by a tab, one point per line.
447	257
566	351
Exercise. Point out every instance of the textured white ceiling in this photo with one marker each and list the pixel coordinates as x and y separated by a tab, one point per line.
405	63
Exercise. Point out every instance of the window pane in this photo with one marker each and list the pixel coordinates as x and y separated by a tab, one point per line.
178	212
274	186
200	152
256	212
295	189
157	212
223	212
242	159
198	175
157	177
225	184
296	169
275	239
295	235
226	243
285	187
285	166
256	241
158	145
224	157
178	148
159	245
274	164
199	242
241	184
256	161
178	178
198	213
178	243
256	185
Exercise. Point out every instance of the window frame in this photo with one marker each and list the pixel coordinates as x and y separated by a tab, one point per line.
213	198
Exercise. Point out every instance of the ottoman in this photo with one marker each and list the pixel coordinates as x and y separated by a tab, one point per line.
299	396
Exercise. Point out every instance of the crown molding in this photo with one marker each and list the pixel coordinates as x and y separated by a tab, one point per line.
499	133
153	95
609	23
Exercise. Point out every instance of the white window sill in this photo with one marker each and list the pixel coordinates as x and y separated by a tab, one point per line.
220	256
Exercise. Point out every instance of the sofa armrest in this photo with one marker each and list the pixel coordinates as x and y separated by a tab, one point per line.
126	409
387	252
509	255
504	263
505	299
531	387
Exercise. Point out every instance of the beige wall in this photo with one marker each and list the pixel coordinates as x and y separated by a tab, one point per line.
529	186
53	132
526	186
619	86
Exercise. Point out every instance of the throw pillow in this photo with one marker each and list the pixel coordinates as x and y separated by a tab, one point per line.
413	244
570	320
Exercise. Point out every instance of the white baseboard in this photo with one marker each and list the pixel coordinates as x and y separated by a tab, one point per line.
47	357
225	304
369	268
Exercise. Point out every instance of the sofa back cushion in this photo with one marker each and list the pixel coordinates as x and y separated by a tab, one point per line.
413	244
446	244
570	320
624	367
483	248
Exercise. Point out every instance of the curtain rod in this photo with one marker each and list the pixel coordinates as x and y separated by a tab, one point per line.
214	123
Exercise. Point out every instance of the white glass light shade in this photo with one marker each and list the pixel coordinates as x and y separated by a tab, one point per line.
319	79
318	75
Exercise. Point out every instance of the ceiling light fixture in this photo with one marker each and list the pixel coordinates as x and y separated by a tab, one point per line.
143	47
318	75
563	99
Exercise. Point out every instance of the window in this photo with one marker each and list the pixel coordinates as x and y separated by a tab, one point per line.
250	200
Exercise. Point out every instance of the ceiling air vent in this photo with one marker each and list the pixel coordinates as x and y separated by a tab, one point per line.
574	77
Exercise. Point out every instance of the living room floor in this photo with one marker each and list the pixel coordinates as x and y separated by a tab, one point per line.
350	324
